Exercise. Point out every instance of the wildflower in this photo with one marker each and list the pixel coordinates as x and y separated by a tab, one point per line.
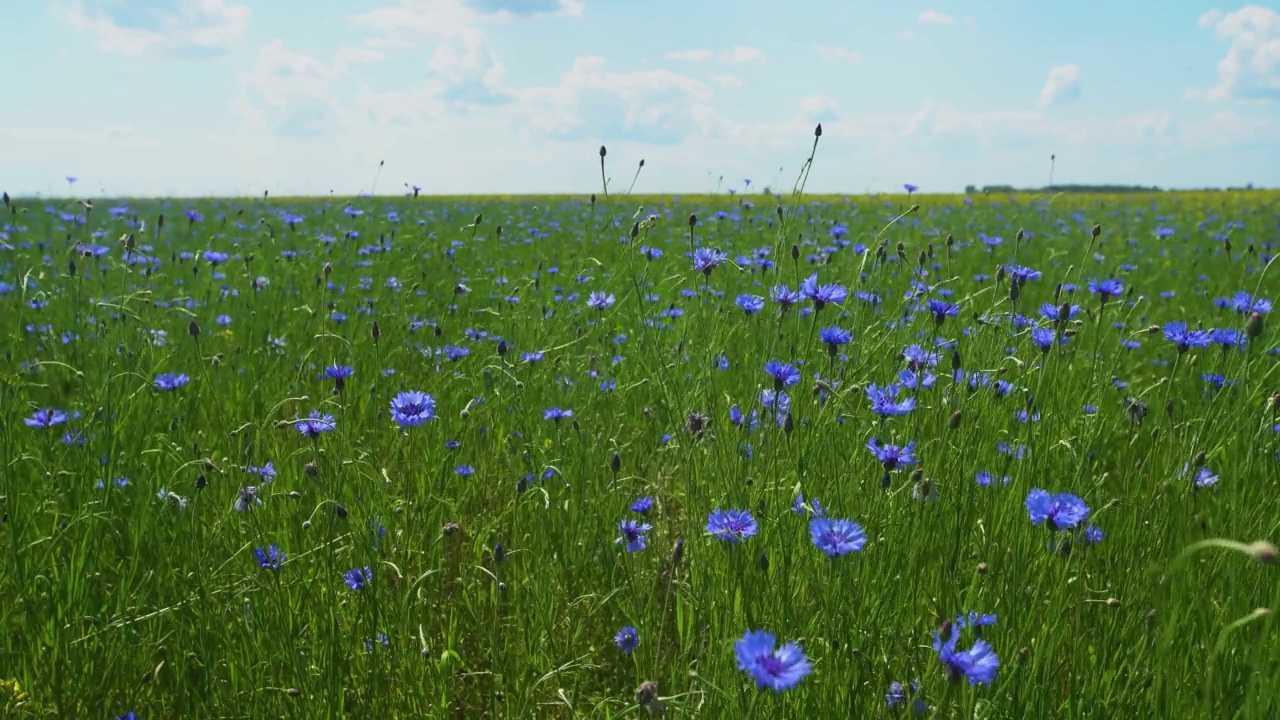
556	414
633	534
1203	477
979	664
1062	511
465	470
893	456
266	472
985	478
1106	289
339	374
785	296
836	537
750	303
358	578
247	499
1178	334
171	381
270	557
776	668
942	310
784	374
46	418
732	525
897	695
1044	338
834	337
705	260
627	640
1093	534
412	408
642	506
822	295
600	300
315	424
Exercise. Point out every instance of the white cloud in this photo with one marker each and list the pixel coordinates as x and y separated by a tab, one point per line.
739	55
289	91
728	81
818	108
933	17
1251	67
208	26
658	106
1062	85
835	53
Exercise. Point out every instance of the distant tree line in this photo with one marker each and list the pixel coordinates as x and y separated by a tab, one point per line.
1096	189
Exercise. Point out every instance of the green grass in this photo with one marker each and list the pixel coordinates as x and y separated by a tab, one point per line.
116	600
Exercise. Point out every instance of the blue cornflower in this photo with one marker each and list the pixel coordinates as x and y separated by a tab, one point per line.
316	423
822	295
705	259
557	414
1093	534
834	337
1106	289
412	408
214	257
1227	338
750	303
627	640
1044	338
1178	334
776	668
1203	477
633	534
642	506
836	536
979	664
357	578
171	381
942	310
732	525
339	374
893	456
270	557
465	470
885	403
600	300
784	374
985	478
1244	303
896	695
266	472
1021	274
1059	313
918	358
785	296
1061	511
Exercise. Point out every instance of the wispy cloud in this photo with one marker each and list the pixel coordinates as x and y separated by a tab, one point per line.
739	55
170	26
1251	68
1062	85
837	54
934	17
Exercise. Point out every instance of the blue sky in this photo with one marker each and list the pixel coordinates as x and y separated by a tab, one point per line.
195	97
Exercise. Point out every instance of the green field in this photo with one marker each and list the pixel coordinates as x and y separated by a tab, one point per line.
284	534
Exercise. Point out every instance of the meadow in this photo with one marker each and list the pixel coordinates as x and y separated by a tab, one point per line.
741	455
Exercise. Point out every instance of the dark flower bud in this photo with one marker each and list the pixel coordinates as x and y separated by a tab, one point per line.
1000	274
647	696
1198	460
817	132
950	240
593	199
71	267
922	258
375	331
450	529
955	359
678	553
502	348
795	251
201	481
6	199
763	562
954	422
311	469
603	152
1024	654
1226	244
693	219
635	229
982	568
1253	326
615	464
193	328
327	269
914	208
778	210
499	553
788	425
1097	230
1113	603
437	331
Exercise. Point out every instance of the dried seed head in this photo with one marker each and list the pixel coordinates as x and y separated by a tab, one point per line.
982	569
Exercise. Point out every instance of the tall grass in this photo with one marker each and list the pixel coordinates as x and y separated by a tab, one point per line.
499	592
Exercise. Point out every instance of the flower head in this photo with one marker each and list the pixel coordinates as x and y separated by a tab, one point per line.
776	668
1061	511
835	536
633	534
627	640
46	418
270	557
171	381
732	525
358	578
412	408
893	456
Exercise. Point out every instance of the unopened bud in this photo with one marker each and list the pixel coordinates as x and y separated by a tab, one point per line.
1097	230
1113	602
817	132
954	422
1253	326
693	219
328	269
193	328
1263	552
603	152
